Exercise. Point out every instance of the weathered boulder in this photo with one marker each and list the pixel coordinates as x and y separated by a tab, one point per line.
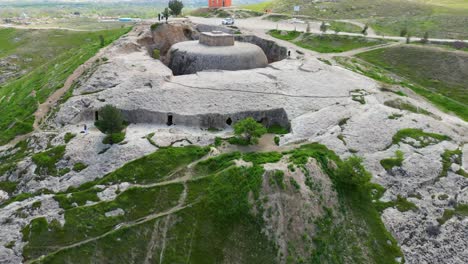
166	35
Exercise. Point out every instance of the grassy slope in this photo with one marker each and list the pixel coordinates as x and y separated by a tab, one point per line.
55	55
328	43
441	71
441	18
218	226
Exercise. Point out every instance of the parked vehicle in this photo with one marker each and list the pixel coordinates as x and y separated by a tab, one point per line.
228	21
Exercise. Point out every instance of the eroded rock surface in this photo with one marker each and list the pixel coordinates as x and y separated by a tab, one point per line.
314	98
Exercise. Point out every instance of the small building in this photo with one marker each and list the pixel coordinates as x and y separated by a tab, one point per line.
219	3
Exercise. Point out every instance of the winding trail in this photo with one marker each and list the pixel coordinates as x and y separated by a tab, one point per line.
118	227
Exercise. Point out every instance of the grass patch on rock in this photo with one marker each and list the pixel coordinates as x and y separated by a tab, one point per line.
417	138
388	164
46	161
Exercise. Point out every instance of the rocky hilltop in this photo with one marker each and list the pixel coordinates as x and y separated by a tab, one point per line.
170	195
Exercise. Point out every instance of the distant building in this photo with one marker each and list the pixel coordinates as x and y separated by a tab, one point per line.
219	3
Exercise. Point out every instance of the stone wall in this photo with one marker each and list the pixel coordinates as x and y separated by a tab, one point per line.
273	51
190	57
267	117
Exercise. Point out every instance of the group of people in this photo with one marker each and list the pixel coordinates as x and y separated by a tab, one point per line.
162	16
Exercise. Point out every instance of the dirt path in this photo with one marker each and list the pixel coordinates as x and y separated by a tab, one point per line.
118	227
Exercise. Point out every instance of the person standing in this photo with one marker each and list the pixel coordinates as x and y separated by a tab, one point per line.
159	17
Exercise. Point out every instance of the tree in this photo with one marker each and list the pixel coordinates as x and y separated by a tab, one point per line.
323	27
351	174
249	130
166	13
364	30
110	120
176	7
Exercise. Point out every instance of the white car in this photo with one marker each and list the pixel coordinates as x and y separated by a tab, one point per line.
228	21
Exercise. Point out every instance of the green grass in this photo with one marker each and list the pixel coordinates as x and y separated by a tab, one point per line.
287	35
142	171
277	178
258	7
55	55
325	43
114	138
437	25
8	186
449	157
262	157
68	137
423	139
46	161
79	166
388	164
460	210
338	26
67	201
219	224
407	106
277	129
331	43
441	18
432	70
83	222
215	164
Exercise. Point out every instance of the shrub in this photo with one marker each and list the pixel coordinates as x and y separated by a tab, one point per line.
294	183
111	120
351	174
277	140
114	138
176	7
249	130
156	54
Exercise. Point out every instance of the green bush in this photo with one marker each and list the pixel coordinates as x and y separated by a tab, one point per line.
249	130
228	194
277	140
110	120
114	138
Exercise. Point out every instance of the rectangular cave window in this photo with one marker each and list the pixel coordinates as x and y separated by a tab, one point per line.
96	115
169	120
